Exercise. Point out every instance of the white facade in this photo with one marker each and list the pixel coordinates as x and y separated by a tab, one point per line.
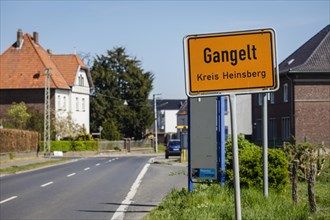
75	102
170	121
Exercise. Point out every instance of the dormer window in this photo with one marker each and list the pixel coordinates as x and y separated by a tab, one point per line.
81	80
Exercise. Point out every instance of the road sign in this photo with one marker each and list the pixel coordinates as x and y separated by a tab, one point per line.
222	63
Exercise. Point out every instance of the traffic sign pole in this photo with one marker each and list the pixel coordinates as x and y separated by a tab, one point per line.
235	156
221	138
265	145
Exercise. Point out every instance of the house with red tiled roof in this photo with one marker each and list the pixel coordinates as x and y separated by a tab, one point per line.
300	110
22	79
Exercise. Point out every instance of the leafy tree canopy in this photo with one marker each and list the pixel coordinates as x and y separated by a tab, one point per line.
119	80
18	115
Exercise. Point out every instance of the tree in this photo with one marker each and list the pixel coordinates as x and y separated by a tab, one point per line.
18	115
118	78
65	127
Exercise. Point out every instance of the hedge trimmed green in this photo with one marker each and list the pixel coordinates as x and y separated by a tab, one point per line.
66	146
251	165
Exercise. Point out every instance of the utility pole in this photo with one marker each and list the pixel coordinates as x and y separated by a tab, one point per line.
47	114
156	125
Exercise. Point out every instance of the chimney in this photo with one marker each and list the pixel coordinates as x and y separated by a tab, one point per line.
36	37
19	38
49	51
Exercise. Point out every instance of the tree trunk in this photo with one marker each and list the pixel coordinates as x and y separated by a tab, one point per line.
311	182
295	182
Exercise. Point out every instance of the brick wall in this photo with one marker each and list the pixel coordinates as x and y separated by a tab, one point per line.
312	115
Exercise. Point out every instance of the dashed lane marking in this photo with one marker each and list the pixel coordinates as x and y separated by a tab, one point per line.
6	200
46	184
72	174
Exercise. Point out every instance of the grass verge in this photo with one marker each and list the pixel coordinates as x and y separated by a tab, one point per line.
16	169
216	202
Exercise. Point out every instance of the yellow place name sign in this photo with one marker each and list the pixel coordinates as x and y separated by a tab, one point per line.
231	62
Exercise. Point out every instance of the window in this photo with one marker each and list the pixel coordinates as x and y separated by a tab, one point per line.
77	104
285	128
260	99
226	104
259	129
272	98
272	129
285	93
64	102
83	104
226	133
59	102
81	80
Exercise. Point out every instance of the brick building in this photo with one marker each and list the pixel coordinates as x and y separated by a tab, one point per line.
301	107
22	69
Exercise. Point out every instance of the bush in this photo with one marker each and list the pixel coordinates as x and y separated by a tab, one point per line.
66	146
60	146
251	165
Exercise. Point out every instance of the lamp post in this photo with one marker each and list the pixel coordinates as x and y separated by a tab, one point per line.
156	126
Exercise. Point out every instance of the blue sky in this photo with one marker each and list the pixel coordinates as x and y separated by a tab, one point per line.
153	31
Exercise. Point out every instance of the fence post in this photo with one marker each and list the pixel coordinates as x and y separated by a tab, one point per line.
295	182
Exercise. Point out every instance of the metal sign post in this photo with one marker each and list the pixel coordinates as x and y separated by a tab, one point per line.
235	156
221	138
265	144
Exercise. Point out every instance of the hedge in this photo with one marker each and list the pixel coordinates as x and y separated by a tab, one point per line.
66	146
14	140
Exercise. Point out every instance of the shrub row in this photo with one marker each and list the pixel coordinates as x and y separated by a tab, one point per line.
66	146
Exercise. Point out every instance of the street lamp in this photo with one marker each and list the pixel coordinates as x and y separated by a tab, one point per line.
156	129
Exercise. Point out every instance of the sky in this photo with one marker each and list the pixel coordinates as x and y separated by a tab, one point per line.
153	31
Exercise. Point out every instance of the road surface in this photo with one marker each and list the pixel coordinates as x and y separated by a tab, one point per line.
89	188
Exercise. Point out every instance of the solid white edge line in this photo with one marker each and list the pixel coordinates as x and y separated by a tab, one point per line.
46	184
120	212
6	200
72	174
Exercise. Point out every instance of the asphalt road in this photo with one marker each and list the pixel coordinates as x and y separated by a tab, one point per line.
90	188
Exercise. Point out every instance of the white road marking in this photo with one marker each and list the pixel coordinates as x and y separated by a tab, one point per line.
110	160
72	174
46	184
120	212
6	200
87	168
97	164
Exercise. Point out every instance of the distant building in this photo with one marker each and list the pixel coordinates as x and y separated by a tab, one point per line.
167	110
300	109
22	80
